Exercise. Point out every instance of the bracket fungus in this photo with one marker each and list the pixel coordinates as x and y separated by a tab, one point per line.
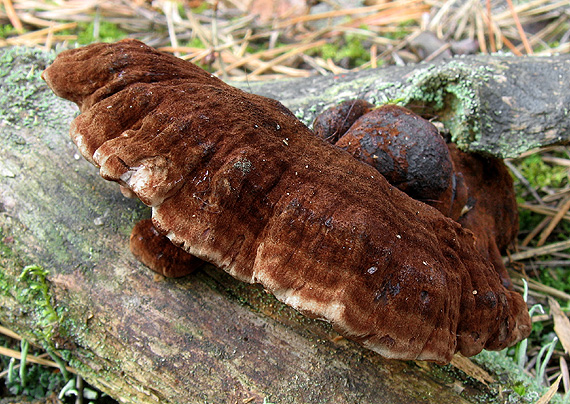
236	180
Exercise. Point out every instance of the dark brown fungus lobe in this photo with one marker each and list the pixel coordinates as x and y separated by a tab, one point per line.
407	150
491	211
236	180
159	254
332	123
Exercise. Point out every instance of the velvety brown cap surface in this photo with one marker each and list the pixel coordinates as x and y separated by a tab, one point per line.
237	180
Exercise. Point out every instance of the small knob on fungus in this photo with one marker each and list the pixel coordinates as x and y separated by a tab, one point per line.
159	254
405	148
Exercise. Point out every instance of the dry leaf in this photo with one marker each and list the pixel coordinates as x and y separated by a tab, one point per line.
270	9
561	324
545	399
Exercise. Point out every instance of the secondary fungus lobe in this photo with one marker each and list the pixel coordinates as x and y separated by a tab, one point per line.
491	210
334	122
302	217
405	148
474	190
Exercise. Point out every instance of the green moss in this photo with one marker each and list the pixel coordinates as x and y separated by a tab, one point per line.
558	278
6	251
36	295
403	30
7	30
196	43
528	220
108	32
540	174
513	379
350	46
6	285
200	9
8	259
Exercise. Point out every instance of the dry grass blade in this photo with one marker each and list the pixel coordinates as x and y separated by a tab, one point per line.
543	210
490	28
534	232
524	181
4	373
298	49
39	36
562	210
538	289
9	333
520	29
561	324
480	29
399	4
471	369
29	358
565	374
13	16
33	359
391	16
511	46
536	252
229	34
265	54
531	8
556	160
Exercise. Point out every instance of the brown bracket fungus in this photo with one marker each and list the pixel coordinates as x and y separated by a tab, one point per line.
406	149
236	180
334	122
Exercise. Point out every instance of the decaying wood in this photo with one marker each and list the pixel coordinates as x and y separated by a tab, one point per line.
205	338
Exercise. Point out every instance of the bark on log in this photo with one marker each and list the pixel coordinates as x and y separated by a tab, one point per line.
205	338
499	105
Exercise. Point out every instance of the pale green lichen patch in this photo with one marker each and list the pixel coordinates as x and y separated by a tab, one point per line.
515	145
452	92
306	109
